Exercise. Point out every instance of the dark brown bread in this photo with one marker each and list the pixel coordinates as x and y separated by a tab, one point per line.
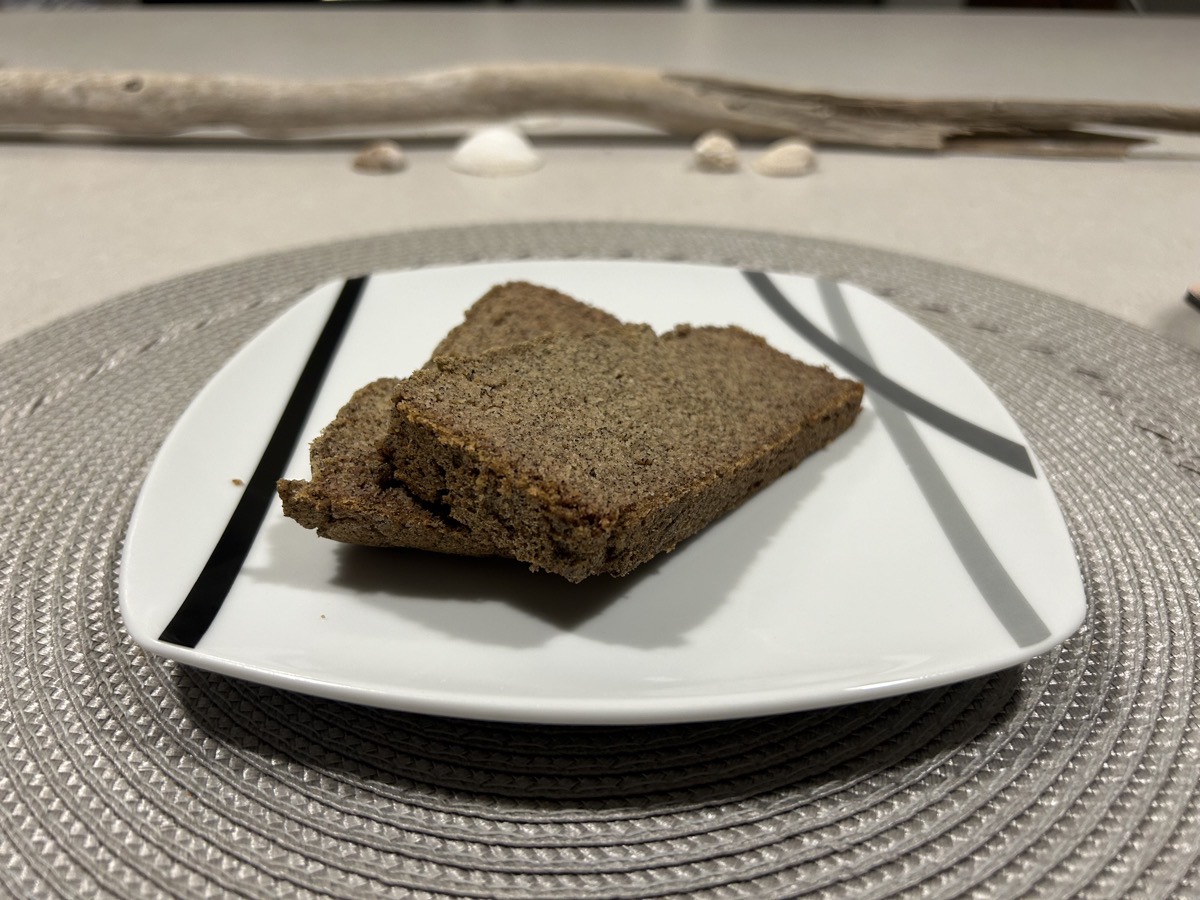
352	496
589	454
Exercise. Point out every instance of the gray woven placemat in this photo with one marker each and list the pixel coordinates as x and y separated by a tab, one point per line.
1077	775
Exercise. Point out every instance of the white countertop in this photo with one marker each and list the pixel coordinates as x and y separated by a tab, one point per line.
83	220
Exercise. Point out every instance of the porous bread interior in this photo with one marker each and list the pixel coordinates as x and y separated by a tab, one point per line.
588	454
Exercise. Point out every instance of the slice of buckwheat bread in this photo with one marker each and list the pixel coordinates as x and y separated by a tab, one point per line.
353	496
590	454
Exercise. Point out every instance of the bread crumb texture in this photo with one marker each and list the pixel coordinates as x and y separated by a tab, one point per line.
592	453
352	497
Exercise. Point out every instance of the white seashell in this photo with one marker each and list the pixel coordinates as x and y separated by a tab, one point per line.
788	158
494	152
381	156
716	151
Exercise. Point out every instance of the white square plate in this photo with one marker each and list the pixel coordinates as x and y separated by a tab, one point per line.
922	547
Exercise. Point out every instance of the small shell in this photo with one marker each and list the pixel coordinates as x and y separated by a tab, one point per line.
495	152
380	157
715	151
788	158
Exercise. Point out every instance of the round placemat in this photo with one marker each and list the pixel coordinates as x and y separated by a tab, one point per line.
123	775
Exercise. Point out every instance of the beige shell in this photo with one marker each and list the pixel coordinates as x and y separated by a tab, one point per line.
381	157
788	158
716	151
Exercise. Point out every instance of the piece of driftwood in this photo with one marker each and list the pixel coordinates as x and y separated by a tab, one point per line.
151	104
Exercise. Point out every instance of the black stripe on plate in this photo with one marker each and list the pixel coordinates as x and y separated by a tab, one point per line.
204	600
994	445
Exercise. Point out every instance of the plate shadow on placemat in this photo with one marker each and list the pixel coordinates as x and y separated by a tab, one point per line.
641	767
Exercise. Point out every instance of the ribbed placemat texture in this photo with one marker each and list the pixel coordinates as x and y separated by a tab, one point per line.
123	775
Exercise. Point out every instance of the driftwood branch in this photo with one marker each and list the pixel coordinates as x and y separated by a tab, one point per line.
159	104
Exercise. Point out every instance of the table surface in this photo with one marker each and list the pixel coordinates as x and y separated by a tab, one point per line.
1076	774
84	220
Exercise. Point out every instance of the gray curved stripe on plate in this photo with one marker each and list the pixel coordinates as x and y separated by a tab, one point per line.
1001	593
987	442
